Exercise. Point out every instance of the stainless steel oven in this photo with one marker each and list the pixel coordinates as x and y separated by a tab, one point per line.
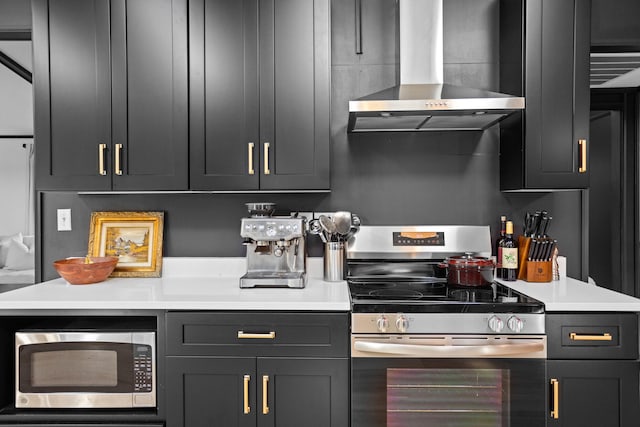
426	353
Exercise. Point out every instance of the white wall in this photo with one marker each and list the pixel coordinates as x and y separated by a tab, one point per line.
16	206
16	118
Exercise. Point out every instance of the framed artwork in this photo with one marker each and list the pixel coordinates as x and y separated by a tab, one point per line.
134	237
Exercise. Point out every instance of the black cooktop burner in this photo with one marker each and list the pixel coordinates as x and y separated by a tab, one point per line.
438	296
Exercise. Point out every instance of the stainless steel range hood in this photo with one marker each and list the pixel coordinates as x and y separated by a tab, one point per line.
422	102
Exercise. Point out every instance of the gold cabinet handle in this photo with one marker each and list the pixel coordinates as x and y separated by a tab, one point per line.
245	384
268	335
118	159
577	337
267	171
555	413
250	150
265	400
101	149
582	145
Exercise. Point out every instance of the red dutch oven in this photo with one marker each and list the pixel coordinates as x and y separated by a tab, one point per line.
467	270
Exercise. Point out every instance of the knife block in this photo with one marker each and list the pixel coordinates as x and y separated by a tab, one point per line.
523	250
539	271
532	271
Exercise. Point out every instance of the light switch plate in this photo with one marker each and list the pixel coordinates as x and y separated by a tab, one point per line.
64	219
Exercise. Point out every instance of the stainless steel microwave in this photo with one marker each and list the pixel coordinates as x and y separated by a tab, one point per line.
85	369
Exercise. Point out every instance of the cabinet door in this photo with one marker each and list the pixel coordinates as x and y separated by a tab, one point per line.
150	125
295	94
303	392
210	392
224	95
557	93
544	55
72	94
594	393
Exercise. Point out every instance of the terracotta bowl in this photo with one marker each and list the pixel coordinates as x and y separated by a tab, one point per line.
77	271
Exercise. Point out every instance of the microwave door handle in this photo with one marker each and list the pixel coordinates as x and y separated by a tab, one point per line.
449	350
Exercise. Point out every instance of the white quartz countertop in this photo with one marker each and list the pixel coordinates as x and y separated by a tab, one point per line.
569	294
186	284
213	284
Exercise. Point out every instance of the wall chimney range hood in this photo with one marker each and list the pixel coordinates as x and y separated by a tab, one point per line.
422	102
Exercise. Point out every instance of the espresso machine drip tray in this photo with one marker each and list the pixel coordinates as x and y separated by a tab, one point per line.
273	279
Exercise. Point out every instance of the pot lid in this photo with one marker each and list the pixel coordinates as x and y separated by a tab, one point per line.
469	261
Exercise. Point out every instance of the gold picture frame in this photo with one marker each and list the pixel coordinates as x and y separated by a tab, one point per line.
134	237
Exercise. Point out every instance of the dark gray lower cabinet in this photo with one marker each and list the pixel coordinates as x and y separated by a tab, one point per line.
266	369
280	392
594	393
209	391
593	369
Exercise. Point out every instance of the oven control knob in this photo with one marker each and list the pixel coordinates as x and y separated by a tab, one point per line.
382	323
496	324
515	324
402	324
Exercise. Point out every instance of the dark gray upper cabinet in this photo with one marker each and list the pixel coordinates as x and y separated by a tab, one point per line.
110	88
544	55
259	94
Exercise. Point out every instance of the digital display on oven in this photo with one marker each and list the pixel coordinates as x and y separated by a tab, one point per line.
418	238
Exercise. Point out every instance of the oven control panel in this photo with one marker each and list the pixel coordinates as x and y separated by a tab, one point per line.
459	323
418	238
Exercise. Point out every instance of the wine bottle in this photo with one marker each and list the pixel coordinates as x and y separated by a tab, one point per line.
509	249
503	225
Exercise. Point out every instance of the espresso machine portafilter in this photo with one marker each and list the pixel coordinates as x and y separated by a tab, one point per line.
276	248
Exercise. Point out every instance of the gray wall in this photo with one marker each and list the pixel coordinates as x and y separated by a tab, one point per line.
15	15
434	178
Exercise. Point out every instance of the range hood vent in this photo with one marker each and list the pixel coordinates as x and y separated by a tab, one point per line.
422	102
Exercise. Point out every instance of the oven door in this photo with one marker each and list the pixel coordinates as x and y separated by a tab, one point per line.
453	381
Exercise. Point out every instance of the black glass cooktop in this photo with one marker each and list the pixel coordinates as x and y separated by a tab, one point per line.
436	296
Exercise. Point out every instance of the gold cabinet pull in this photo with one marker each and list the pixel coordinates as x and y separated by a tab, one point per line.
245	384
267	171
265	400
268	335
555	413
101	149
118	159
250	151
578	337
582	145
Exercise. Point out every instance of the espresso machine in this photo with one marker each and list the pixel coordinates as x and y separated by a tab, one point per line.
276	251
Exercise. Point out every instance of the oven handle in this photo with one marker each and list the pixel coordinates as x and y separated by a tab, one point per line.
449	350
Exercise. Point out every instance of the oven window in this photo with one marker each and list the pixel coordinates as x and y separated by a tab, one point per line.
81	368
415	392
451	397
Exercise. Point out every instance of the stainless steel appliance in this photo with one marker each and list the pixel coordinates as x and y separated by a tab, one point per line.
427	353
422	101
276	250
67	369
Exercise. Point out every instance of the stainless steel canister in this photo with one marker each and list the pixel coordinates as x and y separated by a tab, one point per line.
334	262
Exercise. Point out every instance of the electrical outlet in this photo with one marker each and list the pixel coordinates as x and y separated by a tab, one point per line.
64	219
